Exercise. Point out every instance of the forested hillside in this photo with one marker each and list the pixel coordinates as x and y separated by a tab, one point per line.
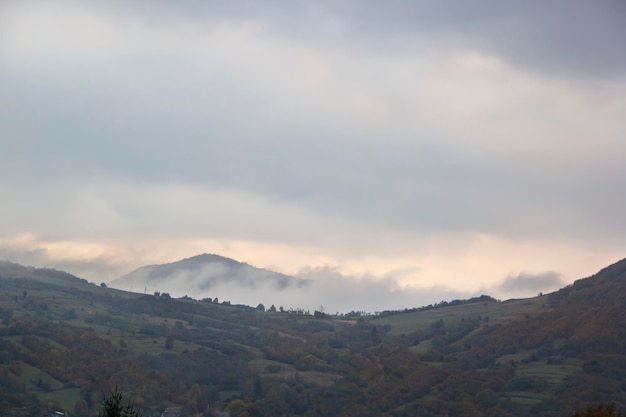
64	342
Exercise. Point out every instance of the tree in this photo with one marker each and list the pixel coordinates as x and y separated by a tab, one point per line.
260	307
321	315
80	406
600	410
118	406
169	342
235	407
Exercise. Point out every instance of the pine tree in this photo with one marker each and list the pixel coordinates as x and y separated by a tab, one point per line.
118	406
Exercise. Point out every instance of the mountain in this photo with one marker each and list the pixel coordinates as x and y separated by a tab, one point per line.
64	342
205	275
47	275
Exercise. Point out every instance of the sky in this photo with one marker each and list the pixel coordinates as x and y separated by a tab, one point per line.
398	153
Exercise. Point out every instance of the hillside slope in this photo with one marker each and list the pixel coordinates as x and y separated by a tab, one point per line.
63	341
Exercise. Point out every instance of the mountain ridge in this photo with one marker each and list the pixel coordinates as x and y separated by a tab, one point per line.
65	340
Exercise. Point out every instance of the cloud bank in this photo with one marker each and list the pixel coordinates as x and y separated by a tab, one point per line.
463	143
531	284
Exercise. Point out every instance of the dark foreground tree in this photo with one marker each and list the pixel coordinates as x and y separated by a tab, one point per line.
118	406
600	410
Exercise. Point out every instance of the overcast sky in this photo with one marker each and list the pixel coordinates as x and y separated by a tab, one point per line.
405	150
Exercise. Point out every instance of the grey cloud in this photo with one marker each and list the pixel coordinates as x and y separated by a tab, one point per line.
325	286
339	292
527	283
578	38
36	257
155	114
406	188
86	127
573	37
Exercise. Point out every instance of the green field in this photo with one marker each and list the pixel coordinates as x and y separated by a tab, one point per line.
496	312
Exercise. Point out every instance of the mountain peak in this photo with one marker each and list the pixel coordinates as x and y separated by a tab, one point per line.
207	257
200	274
